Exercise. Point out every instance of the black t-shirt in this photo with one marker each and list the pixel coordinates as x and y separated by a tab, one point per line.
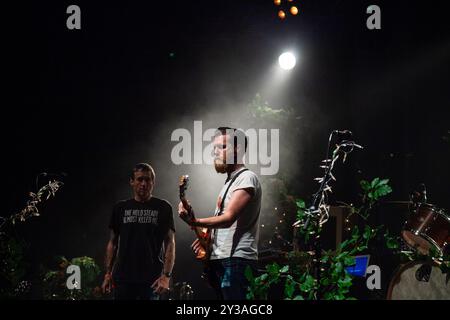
142	227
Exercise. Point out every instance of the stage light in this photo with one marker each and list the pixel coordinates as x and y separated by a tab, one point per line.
277	2
294	11
287	61
281	14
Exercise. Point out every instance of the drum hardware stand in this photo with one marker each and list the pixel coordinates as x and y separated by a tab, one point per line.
318	212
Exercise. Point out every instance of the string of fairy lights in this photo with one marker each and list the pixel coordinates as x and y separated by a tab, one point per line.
275	226
285	8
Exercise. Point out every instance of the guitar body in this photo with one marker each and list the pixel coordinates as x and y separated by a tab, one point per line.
204	236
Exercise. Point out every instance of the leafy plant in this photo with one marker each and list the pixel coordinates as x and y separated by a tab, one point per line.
311	227
55	286
332	282
261	111
373	191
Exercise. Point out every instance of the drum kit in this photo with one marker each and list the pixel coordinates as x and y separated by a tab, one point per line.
426	232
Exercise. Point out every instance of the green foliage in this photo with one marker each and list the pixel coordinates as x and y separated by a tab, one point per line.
289	287
89	269
259	286
312	228
12	267
299	282
335	281
376	189
392	242
373	191
261	111
55	286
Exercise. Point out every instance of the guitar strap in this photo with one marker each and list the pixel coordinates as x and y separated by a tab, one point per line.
222	204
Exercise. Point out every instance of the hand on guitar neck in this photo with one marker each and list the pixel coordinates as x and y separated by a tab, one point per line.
186	213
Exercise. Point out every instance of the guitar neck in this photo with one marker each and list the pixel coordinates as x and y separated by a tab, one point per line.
203	234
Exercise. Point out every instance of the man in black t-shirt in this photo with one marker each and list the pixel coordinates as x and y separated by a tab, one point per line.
140	228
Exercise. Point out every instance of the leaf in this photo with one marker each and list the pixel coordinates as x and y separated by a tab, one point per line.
392	243
272	268
342	255
362	248
364	185
300	214
300	204
325	281
345	283
284	269
338	267
374	182
298	297
349	261
367	232
382	191
343	245
263	277
328	295
249	274
355	232
308	284
289	287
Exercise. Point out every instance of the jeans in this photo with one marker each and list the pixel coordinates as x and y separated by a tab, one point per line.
231	276
132	291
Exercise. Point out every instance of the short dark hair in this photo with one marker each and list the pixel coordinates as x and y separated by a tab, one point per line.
143	167
237	135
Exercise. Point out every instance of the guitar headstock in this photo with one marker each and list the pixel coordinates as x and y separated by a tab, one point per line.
183	184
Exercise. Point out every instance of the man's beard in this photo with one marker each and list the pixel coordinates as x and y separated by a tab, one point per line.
220	166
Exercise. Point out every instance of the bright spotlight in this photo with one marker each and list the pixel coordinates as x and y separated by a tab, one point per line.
287	61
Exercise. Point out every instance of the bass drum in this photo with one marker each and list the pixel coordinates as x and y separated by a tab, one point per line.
417	280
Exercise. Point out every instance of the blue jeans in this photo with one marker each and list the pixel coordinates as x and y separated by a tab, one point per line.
231	276
132	291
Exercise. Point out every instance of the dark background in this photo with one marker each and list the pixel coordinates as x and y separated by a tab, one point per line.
93	102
